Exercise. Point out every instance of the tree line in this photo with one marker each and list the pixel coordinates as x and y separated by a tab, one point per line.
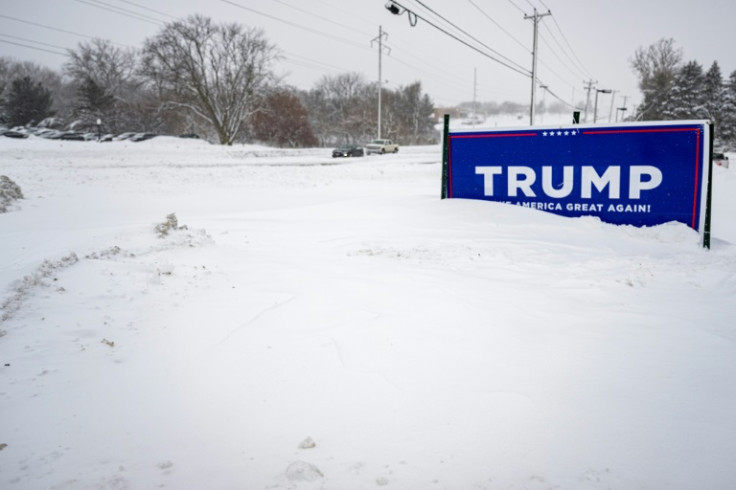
216	80
678	89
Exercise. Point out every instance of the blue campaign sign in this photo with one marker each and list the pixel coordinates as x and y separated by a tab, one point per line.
639	174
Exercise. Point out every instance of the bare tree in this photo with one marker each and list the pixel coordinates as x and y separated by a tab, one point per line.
342	108
99	64
113	69
220	73
657	67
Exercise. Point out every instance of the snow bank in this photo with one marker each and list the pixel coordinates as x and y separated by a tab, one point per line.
412	342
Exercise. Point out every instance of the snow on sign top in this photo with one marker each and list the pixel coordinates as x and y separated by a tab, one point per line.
638	174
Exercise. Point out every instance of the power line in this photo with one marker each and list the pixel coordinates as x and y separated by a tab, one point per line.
572	51
32	41
498	25
469	35
554	53
298	26
444	31
517	7
312	14
577	73
147	8
52	28
32	47
121	11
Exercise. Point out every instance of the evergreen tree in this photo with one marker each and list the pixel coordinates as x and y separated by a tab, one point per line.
687	95
27	102
713	92
727	131
93	101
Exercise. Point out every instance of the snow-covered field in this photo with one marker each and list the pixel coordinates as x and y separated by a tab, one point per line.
333	324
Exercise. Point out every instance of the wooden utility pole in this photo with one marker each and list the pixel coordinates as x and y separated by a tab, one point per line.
536	17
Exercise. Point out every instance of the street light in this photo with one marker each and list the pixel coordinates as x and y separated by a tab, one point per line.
391	7
595	109
621	110
398	9
99	129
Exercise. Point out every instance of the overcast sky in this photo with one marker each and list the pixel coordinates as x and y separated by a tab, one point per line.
581	41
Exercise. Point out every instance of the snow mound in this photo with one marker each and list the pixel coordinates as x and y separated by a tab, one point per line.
9	192
301	471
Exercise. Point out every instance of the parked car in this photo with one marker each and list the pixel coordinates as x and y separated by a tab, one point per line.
53	134
142	137
123	136
720	159
381	146
12	133
72	136
348	151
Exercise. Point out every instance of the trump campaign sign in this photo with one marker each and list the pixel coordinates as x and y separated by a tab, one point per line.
641	174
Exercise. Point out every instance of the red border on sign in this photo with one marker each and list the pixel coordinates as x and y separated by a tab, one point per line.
697	130
667	130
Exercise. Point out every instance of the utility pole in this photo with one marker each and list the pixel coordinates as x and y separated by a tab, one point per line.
535	20
588	87
381	36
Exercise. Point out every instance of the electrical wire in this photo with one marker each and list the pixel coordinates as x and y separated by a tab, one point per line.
517	7
53	28
143	7
469	35
120	11
32	47
498	25
576	71
474	48
569	46
298	26
342	25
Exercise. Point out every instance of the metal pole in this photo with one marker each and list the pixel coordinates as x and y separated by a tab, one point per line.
595	111
445	155
709	190
380	38
380	77
610	111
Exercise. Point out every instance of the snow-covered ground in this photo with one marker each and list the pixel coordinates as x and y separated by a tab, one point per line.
311	323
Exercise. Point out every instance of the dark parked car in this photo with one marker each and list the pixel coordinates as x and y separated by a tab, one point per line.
720	159
72	136
142	136
348	151
11	133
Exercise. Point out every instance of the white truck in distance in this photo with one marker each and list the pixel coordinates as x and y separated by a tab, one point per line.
381	146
